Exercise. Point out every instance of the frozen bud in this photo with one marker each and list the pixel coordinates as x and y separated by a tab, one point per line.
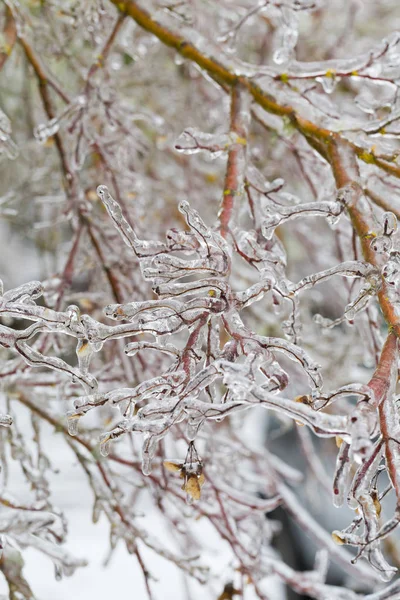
338	538
377	504
303	399
175	466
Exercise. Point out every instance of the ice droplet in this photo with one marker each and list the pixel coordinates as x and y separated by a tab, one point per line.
96	346
179	60
350	313
333	219
192	429
72	423
146	464
328	81
105	444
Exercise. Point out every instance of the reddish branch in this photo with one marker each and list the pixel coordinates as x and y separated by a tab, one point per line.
66	278
382	202
386	370
384	384
112	280
101	58
235	171
339	152
9	37
346	172
317	136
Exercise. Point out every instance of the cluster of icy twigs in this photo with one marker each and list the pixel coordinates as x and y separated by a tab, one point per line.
205	382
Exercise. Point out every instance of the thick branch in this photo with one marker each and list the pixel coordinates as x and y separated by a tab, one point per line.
345	170
235	170
317	136
388	417
386	370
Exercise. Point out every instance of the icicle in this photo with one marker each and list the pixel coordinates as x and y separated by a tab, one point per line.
148	453
328	81
105	444
73	423
342	474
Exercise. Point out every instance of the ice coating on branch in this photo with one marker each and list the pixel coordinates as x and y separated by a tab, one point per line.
360	302
178	395
192	141
331	210
44	131
342	474
7	145
288	35
175	338
346	269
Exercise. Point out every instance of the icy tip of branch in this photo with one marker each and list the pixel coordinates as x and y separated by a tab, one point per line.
111	205
184	207
104	194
